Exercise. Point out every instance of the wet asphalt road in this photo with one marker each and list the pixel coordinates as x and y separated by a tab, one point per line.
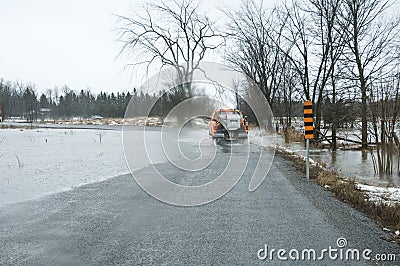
115	222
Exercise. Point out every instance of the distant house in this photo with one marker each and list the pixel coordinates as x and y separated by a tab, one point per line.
44	113
97	117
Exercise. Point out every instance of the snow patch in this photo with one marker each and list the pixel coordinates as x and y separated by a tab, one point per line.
385	195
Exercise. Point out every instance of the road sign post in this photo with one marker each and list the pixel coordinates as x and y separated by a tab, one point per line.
308	158
308	132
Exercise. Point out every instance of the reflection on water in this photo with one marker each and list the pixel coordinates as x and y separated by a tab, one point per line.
351	163
364	155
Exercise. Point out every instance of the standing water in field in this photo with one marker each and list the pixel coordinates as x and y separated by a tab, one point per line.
351	163
38	162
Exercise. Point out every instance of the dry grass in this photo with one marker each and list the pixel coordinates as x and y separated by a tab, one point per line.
301	164
2	126
345	189
291	135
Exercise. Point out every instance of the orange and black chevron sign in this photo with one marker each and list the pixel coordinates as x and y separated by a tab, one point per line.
308	120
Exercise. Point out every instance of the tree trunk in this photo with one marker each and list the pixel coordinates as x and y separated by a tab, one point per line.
318	116
364	131
361	78
334	118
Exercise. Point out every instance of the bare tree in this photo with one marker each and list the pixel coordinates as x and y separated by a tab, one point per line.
313	45
297	41
254	50
169	33
329	43
384	104
289	92
370	41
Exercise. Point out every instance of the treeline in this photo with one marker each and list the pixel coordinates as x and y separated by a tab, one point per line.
23	101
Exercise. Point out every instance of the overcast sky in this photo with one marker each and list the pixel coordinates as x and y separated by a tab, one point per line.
73	42
56	42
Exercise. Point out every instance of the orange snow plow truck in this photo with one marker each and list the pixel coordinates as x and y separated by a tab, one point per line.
228	124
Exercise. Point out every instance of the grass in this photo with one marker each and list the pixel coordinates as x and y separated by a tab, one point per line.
2	126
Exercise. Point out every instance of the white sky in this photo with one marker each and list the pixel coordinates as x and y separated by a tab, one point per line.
68	42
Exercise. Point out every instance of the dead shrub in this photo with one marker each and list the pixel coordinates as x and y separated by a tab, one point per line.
291	135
